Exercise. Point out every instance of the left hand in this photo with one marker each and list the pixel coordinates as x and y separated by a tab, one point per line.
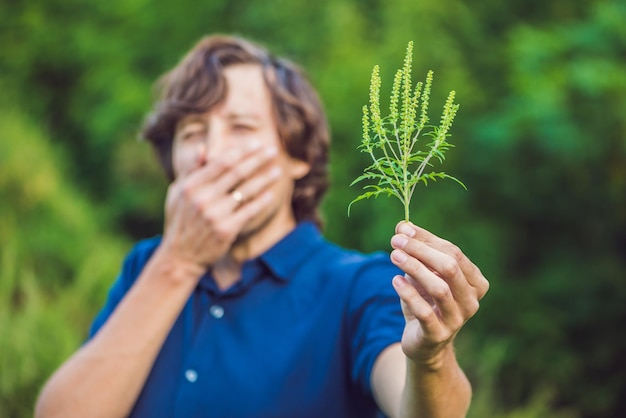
440	291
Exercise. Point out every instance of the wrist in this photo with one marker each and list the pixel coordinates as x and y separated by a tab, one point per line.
433	361
175	269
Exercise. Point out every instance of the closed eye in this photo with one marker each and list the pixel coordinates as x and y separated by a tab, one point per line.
243	127
192	133
199	134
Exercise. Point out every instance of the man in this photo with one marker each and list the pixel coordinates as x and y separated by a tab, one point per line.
242	309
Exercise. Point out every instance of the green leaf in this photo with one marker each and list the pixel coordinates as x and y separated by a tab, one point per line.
369	194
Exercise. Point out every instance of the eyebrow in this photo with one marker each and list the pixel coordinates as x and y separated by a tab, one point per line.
242	115
189	119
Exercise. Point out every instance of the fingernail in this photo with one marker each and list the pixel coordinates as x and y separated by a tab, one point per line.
406	230
398	281
398	256
398	241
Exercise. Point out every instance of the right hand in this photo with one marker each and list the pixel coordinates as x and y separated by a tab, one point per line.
202	218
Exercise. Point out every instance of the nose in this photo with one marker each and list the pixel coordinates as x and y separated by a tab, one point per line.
201	153
206	148
215	142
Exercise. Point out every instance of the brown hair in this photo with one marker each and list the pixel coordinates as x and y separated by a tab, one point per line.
197	84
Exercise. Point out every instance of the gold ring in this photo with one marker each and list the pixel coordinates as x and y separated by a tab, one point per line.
237	195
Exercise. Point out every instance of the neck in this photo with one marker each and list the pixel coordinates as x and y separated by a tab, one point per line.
249	245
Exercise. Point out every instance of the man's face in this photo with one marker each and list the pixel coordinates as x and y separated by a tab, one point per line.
245	115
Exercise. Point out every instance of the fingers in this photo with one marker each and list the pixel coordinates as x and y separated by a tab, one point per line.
434	286
441	287
455	265
414	305
231	166
254	186
248	169
438	273
247	211
244	170
228	195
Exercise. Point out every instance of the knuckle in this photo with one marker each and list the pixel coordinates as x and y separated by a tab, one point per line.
456	252
199	209
450	268
441	292
211	218
460	321
237	171
230	162
413	268
218	164
483	287
196	202
428	316
221	233
486	286
186	191
473	306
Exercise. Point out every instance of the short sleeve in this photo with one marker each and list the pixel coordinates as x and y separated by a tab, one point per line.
375	316
131	268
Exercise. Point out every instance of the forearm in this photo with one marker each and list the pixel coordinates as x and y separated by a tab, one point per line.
437	389
104	378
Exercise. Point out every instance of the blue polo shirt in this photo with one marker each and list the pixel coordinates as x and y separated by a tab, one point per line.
297	336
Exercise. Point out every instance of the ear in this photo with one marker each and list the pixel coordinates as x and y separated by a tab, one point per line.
298	168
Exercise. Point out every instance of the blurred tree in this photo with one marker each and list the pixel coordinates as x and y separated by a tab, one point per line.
56	262
561	198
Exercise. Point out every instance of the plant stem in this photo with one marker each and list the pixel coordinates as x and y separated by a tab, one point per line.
389	160
424	163
405	170
377	164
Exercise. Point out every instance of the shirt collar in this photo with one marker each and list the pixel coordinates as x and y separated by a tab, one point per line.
286	256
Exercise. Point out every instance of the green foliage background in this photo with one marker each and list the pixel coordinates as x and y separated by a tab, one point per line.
540	143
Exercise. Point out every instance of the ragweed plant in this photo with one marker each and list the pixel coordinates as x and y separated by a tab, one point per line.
392	141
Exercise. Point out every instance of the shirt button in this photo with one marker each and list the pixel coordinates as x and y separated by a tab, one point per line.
216	311
191	375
